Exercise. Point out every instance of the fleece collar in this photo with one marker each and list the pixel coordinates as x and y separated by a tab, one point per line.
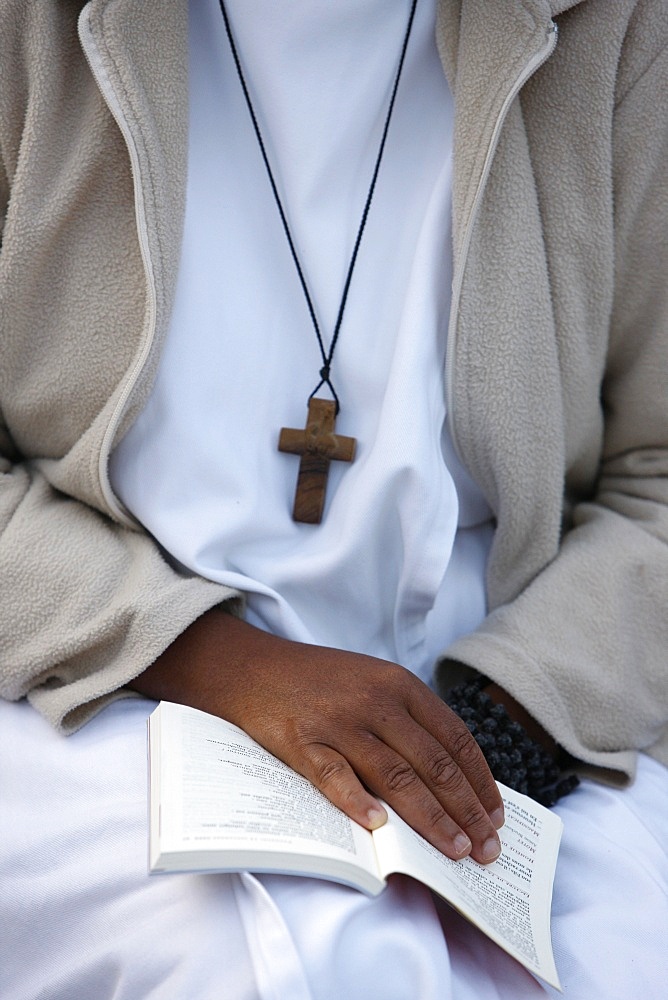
485	46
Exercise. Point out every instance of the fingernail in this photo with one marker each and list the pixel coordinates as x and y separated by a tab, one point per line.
376	817
490	849
462	844
498	818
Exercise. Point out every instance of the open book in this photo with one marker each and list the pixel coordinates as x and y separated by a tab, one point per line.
220	802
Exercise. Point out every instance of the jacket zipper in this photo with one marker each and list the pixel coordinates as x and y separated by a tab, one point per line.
529	69
105	86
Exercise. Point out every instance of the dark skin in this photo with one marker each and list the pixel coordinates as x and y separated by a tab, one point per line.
356	726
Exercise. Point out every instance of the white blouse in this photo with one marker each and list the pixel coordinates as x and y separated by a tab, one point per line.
396	568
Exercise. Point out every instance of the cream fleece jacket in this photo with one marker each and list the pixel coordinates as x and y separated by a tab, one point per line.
556	375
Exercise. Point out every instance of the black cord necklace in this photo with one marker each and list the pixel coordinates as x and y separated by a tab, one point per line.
317	444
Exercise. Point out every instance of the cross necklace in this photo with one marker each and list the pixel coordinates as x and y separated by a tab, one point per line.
318	444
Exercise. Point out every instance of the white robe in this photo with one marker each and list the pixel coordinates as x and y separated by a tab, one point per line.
82	919
200	467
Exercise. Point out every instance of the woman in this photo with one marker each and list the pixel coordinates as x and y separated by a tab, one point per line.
511	519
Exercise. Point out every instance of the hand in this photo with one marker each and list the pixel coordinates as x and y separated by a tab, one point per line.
352	724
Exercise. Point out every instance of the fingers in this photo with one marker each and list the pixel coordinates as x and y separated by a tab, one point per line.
332	774
426	764
451	733
424	783
461	829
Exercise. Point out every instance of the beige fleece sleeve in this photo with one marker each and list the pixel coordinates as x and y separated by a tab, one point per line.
585	646
87	604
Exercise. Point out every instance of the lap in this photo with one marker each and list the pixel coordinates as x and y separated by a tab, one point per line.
610	903
80	916
83	918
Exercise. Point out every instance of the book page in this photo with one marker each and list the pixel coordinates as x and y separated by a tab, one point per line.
221	791
510	899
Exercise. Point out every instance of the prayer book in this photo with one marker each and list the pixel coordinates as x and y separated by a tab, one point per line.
219	802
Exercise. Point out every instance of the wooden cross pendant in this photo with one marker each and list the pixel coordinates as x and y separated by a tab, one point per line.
318	445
